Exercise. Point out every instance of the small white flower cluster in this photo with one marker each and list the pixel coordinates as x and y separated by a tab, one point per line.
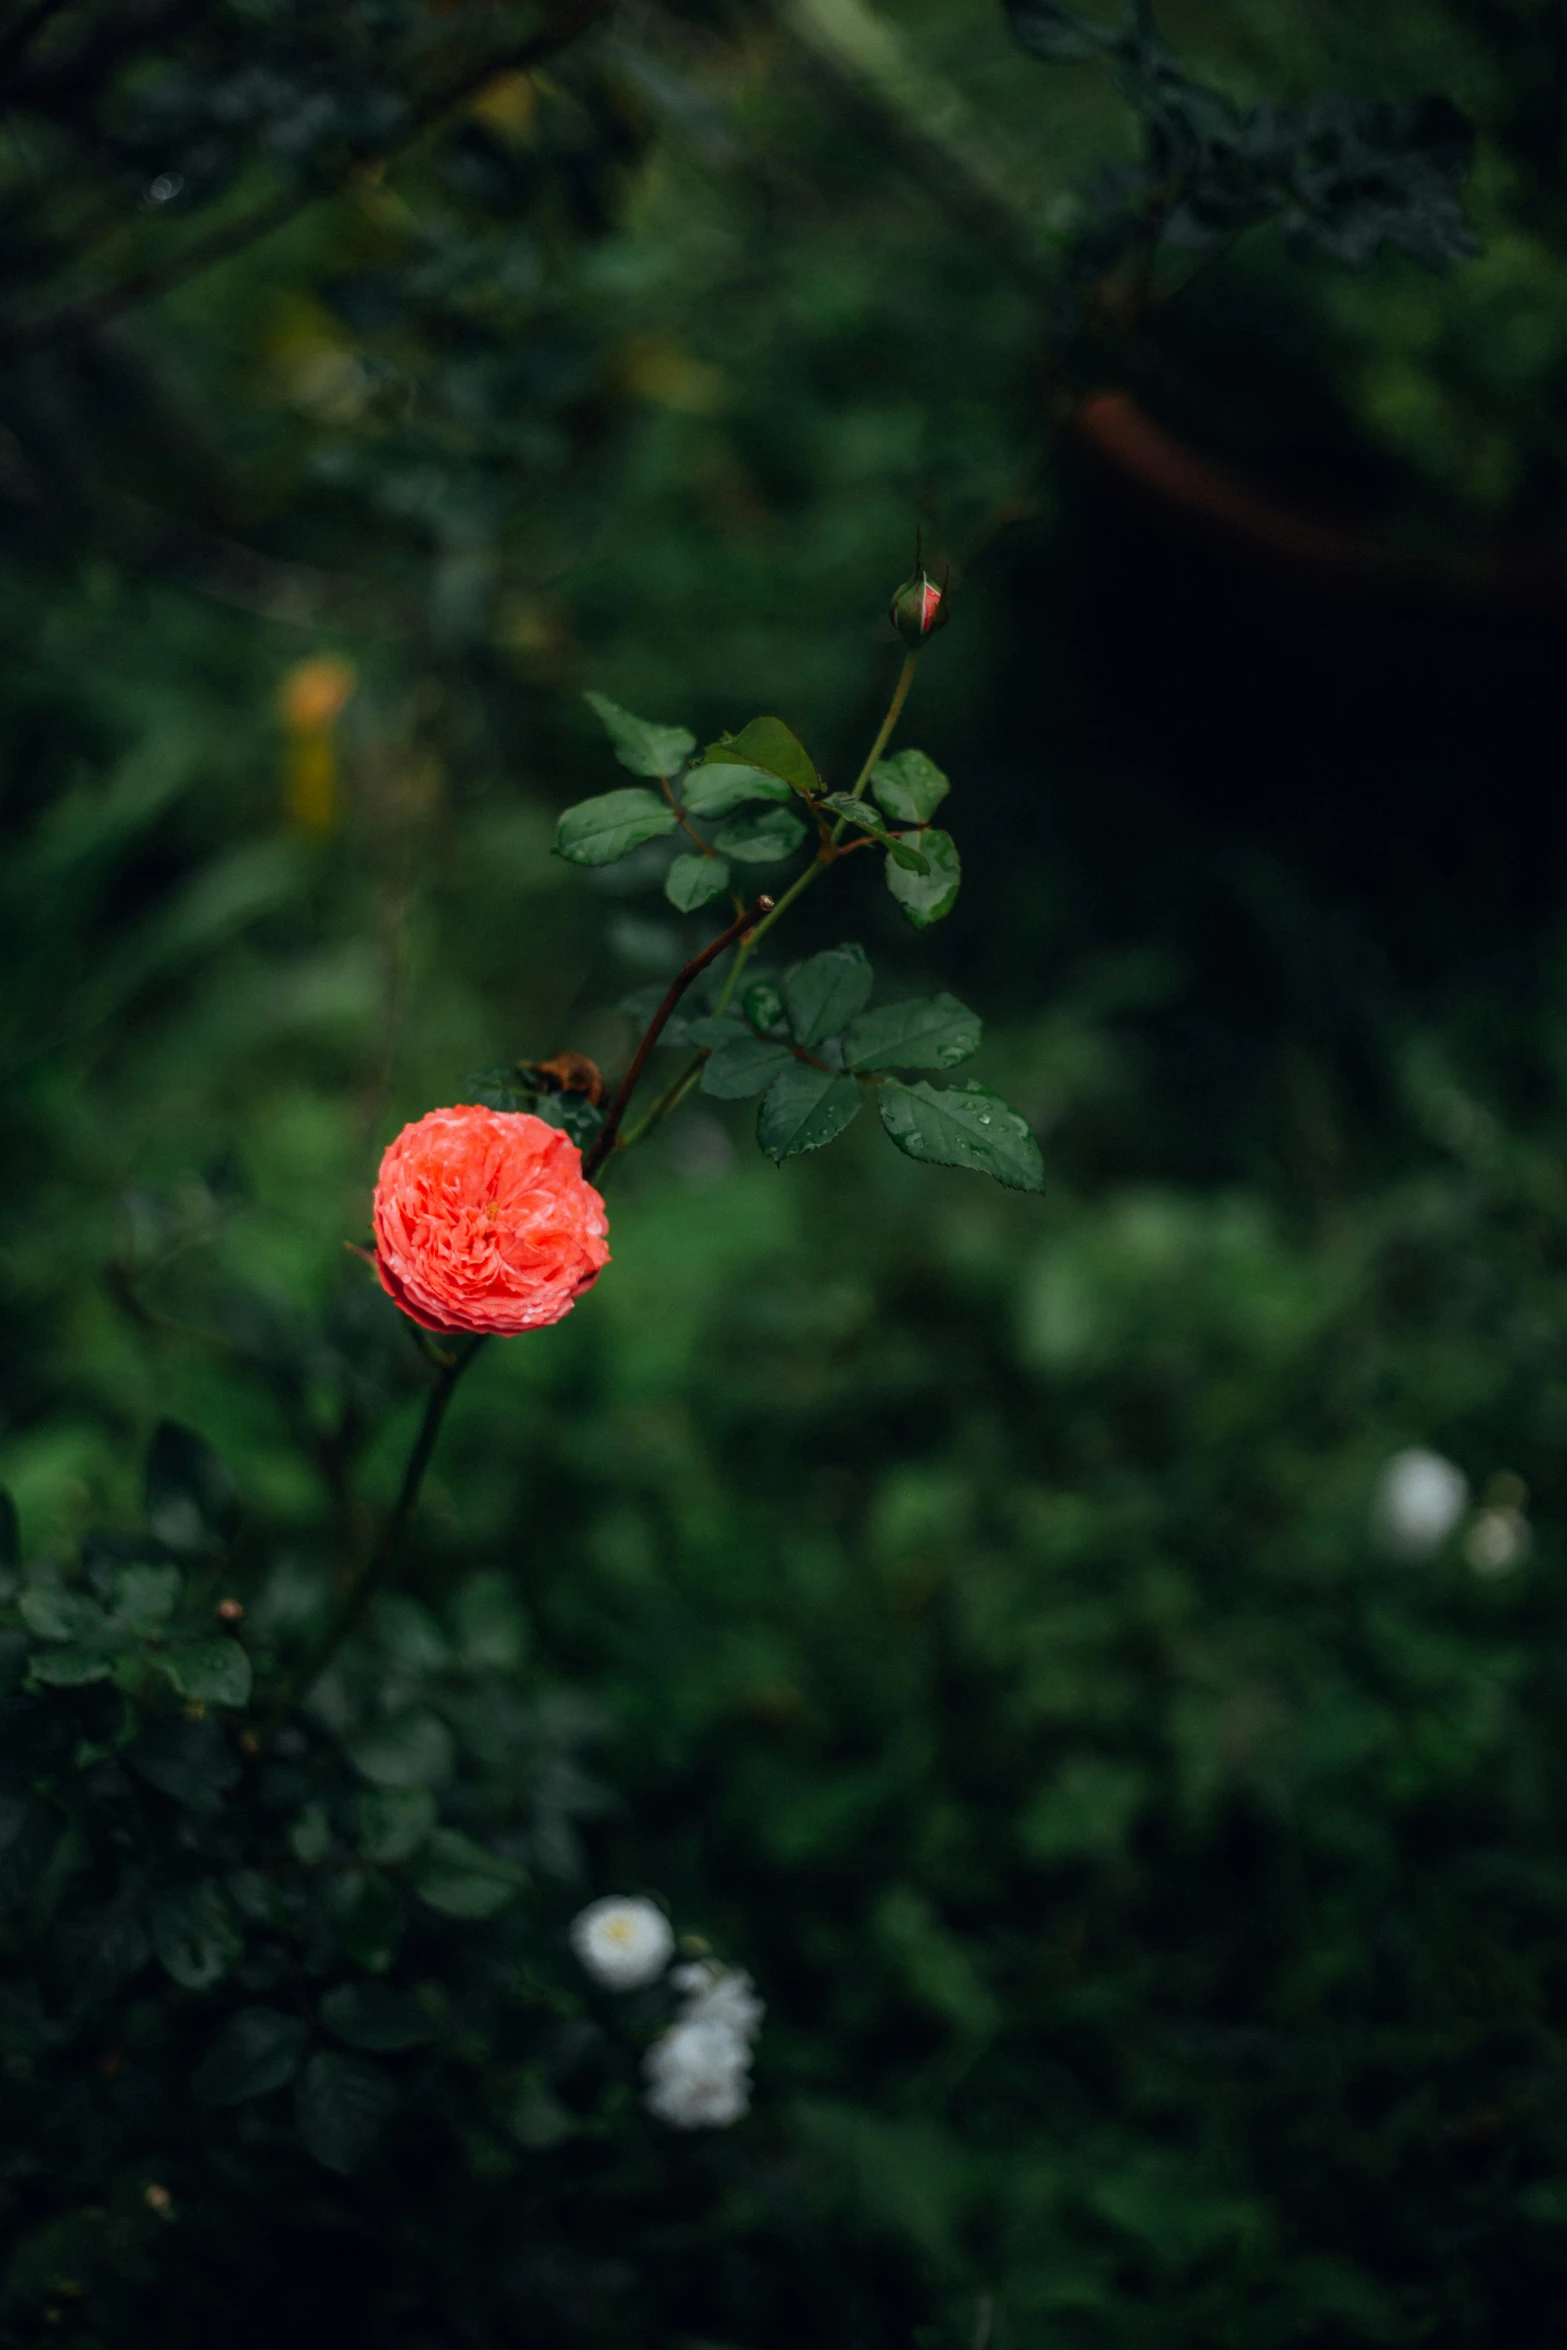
699	2070
1421	1499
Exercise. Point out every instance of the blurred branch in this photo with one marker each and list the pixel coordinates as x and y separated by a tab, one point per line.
84	316
950	150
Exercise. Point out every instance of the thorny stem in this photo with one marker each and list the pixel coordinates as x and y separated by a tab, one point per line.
609	1131
377	1568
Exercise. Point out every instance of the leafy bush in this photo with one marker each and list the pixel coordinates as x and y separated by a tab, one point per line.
967	1608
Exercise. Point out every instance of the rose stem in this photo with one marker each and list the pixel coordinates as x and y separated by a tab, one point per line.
829	849
382	1560
608	1132
379	1565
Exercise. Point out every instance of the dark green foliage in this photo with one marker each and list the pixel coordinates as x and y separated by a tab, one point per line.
1346	175
958	1604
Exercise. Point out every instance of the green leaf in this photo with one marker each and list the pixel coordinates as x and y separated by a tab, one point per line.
910	787
693	879
763	839
28	1830
394	1822
805	1107
256	1897
51	1613
824	993
596	832
214	1672
367	1914
717	789
410	1637
763	1003
964	1126
195	1936
145	1598
462	1879
773	747
374	2015
10	1531
67	1668
743	1066
715	1028
255	2052
409	1749
192	1762
928	1032
642	746
855	811
310	1838
191	1500
342	2105
573	1113
492	1630
927	897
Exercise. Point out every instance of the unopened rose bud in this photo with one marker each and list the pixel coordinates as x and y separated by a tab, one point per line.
230	1611
918	608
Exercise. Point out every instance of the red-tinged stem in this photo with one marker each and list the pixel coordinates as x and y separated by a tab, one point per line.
610	1130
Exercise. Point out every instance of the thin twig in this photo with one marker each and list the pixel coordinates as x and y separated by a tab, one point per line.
607	1133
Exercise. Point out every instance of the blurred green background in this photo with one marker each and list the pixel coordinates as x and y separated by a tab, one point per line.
1157	1886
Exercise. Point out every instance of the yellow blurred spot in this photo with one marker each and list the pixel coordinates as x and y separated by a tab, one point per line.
311	699
508	105
315	693
669	377
534	629
319	368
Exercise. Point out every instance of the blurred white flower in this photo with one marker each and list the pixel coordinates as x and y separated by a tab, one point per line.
623	1941
716	1994
1419	1499
1497	1541
698	2076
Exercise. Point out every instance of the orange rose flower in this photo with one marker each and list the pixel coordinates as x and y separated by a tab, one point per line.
483	1222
